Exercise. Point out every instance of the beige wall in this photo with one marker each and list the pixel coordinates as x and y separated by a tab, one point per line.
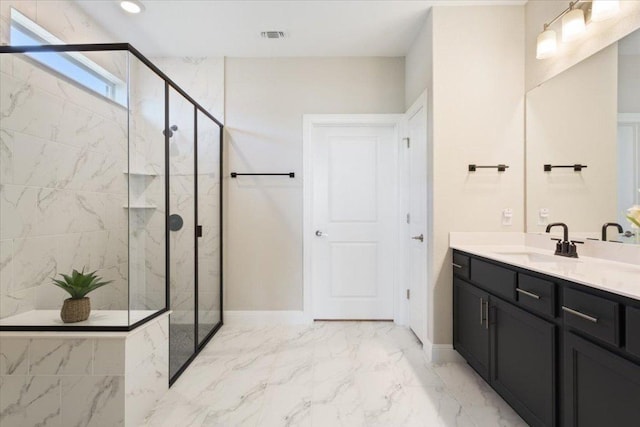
599	35
476	114
572	118
265	102
419	64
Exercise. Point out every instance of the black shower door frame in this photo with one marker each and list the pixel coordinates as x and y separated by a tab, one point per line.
169	83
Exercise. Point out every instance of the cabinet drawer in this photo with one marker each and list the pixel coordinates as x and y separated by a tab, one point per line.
537	294
497	280
461	265
593	315
633	331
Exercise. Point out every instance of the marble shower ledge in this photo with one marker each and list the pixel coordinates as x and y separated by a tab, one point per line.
615	277
97	318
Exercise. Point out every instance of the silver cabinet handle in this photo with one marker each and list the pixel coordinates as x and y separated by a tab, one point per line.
321	234
486	317
456	265
481	311
580	315
527	293
420	237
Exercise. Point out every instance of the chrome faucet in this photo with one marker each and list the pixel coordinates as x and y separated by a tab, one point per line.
564	247
610	224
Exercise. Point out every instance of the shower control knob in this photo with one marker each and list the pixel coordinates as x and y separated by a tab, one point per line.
321	234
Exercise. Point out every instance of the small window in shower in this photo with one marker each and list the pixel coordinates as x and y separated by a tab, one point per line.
72	65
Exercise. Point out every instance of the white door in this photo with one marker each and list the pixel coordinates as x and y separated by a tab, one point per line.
353	220
417	203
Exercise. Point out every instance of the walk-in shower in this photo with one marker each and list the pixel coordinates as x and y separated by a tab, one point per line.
95	176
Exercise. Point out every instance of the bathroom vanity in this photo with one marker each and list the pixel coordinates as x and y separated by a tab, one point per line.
557	338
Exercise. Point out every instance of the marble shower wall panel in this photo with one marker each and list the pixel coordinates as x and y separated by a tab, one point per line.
201	78
61	381
62	153
147	372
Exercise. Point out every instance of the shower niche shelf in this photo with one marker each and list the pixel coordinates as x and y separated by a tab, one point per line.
140	207
139	173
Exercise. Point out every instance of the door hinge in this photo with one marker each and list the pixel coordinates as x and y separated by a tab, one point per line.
408	141
408	218
408	293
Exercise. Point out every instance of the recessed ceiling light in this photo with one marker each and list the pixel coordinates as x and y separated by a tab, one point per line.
132	6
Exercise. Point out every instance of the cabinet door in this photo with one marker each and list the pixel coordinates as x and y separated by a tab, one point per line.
470	328
600	388
522	362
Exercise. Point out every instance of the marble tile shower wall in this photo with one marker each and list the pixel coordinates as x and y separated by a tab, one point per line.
62	188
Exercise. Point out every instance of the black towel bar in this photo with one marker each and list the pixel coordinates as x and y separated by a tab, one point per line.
289	174
501	168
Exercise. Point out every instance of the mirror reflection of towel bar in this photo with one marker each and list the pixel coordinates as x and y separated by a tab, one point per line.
576	167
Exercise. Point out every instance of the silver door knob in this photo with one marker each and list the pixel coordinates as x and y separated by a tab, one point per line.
321	234
420	237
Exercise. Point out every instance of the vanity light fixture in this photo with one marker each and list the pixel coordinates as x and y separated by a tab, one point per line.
132	6
547	43
574	23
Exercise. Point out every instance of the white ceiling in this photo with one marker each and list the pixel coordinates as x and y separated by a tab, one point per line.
232	28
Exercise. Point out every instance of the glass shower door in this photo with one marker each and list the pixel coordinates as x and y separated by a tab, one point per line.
182	229
208	191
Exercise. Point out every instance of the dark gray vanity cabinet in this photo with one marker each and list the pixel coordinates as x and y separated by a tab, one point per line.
558	352
509	347
600	387
471	329
523	362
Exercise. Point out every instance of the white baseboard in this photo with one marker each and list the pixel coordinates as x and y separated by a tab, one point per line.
441	353
247	317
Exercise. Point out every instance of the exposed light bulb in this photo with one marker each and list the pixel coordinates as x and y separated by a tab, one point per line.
547	44
132	6
604	9
573	25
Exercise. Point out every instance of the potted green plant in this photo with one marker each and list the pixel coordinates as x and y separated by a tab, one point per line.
78	285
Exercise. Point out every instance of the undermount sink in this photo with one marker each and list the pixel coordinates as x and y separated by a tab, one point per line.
537	257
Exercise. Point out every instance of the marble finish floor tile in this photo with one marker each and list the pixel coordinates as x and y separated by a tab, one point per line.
327	374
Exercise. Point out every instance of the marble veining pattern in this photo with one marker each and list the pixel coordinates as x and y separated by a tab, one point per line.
326	374
81	382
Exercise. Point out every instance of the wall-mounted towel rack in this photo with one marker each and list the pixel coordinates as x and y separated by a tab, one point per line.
576	167
289	174
501	168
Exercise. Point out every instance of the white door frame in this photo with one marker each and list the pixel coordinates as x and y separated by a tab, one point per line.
314	120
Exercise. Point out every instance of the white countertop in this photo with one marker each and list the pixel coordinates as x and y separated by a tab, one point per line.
611	276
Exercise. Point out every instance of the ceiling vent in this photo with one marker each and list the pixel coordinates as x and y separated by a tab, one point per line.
272	34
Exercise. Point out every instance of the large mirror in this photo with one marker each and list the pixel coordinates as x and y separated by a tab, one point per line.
583	145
